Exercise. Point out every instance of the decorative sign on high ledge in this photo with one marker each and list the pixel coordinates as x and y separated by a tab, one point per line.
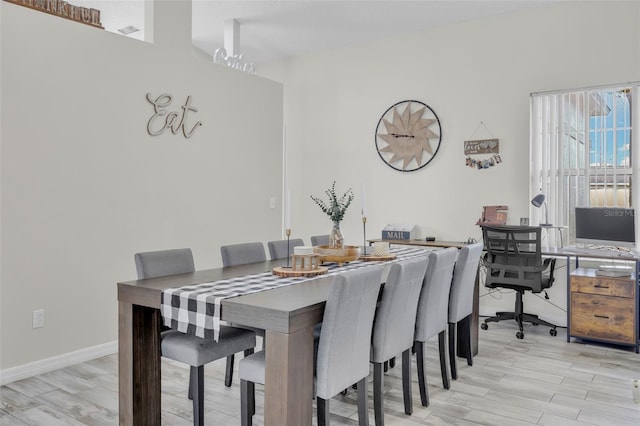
233	61
63	9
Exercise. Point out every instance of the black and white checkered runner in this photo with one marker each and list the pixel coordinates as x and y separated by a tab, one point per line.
196	308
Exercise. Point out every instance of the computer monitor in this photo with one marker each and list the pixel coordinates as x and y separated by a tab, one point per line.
605	225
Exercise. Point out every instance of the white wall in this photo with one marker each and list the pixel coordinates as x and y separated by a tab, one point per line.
478	71
84	186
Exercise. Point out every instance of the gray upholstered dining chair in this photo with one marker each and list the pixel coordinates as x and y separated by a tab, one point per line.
343	350
320	240
461	301
278	249
432	314
188	348
393	328
241	254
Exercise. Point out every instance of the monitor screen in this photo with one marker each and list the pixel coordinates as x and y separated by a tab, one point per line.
605	225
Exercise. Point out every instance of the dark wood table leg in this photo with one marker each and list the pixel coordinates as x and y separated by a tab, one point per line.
139	364
289	378
125	363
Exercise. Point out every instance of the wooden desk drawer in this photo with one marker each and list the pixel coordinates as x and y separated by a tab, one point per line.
607	286
603	317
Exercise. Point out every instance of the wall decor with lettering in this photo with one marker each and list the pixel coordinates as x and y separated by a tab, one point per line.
167	117
482	153
63	9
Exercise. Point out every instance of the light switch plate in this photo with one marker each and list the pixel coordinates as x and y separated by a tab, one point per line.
38	318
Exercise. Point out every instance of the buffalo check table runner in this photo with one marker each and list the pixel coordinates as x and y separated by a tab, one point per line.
195	309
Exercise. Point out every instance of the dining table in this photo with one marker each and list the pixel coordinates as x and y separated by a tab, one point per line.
288	315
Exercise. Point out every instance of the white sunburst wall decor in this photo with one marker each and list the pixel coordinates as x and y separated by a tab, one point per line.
408	135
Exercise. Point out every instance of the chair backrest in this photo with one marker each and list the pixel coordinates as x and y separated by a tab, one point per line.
241	254
320	240
345	339
464	279
395	317
514	258
161	263
433	306
278	249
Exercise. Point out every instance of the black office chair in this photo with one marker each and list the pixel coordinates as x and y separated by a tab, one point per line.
514	261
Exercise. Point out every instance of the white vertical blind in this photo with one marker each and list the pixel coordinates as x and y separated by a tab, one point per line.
635	155
544	159
574	166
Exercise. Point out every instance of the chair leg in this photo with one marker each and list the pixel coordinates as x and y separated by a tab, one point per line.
536	320
452	350
422	379
363	396
247	396
378	393
500	316
323	411
197	391
466	326
406	381
228	377
442	336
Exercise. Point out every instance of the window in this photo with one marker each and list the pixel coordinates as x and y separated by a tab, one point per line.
581	152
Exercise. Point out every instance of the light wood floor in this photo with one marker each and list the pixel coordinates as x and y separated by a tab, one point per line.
541	380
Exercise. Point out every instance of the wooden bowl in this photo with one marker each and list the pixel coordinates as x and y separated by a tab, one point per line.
339	255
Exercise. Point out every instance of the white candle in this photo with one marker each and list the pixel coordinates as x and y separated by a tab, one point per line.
287	211
364	201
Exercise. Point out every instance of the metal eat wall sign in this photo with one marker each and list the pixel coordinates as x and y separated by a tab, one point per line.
177	120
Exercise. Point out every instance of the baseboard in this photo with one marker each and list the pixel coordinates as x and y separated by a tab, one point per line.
49	364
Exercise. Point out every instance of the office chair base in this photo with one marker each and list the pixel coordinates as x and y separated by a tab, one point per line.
520	319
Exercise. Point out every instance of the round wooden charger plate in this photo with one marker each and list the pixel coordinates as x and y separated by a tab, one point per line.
289	272
374	258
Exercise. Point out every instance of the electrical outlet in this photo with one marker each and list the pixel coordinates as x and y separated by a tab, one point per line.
272	202
38	318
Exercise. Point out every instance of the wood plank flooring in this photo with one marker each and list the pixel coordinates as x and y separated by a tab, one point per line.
541	380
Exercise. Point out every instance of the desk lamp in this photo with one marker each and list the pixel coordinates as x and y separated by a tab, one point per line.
538	201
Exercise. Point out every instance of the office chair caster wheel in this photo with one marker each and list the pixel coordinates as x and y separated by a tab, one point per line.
484	326
553	332
520	335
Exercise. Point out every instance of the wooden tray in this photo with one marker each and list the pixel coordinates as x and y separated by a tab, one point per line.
289	272
341	256
374	258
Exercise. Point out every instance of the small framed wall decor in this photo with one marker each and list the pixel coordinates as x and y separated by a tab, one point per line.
482	153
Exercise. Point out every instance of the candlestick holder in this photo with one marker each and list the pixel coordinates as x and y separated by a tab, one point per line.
364	234
288	232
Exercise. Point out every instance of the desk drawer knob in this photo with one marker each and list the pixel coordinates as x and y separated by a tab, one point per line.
601	316
601	286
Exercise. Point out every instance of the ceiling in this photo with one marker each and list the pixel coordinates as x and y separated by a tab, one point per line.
272	30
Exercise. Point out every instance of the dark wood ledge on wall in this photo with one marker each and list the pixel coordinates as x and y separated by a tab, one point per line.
64	9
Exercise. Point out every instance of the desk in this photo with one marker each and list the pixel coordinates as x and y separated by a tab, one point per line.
461	343
596	297
287	314
422	243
